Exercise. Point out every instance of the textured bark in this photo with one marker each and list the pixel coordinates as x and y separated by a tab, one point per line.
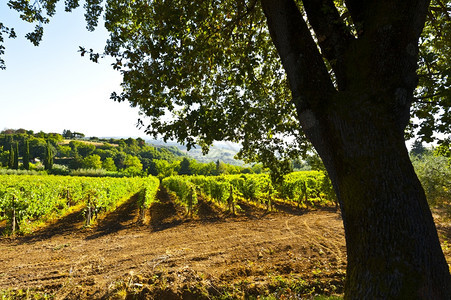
358	130
392	244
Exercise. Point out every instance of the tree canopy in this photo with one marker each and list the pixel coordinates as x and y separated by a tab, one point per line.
206	71
433	95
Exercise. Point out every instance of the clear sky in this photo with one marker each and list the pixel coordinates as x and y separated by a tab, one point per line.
52	88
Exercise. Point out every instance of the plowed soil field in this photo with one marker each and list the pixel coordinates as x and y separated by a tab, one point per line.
284	253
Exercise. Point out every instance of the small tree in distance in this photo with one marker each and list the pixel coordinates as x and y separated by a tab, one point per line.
185	168
48	159
108	164
11	157
418	149
16	156
26	156
92	161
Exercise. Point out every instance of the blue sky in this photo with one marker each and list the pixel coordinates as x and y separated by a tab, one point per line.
52	88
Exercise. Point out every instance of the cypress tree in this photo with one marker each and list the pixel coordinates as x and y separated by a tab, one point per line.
16	156
11	157
48	161
26	156
185	167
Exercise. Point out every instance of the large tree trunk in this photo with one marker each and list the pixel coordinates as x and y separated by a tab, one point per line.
357	127
392	244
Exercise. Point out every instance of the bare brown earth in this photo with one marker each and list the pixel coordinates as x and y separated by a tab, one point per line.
169	255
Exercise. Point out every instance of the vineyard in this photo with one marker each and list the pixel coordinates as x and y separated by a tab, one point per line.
27	199
304	189
193	237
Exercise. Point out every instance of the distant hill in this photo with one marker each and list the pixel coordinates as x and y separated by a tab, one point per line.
222	151
216	153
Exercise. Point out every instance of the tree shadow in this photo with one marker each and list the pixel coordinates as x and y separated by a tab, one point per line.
290	209
124	216
251	212
164	215
299	211
65	225
208	212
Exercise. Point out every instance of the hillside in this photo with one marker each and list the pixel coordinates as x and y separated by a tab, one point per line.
216	153
222	151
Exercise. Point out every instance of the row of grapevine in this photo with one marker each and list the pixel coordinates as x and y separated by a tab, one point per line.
225	189
312	188
149	191
184	189
25	198
307	187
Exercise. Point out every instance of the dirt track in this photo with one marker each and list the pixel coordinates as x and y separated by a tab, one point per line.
173	256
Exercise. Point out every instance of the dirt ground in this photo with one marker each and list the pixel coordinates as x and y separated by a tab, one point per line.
168	255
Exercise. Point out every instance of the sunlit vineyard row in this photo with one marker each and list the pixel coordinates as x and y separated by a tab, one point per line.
308	188
25	198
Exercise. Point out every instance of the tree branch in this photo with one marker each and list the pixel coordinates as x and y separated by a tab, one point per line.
445	10
357	10
332	34
434	22
420	99
235	21
309	79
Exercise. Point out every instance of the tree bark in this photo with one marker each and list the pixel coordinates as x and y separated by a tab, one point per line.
392	244
357	127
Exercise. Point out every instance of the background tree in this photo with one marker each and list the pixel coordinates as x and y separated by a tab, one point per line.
119	160
76	162
444	149
26	155
132	146
108	164
67	134
84	149
418	148
48	158
132	165
92	161
16	156
37	147
78	135
4	158
202	168
435	176
185	168
64	151
263	71
41	135
165	168
220	168
11	157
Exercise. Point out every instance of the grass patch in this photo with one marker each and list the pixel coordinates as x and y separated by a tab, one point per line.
16	294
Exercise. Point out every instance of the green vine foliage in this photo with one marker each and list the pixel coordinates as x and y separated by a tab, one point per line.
434	173
306	188
27	198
